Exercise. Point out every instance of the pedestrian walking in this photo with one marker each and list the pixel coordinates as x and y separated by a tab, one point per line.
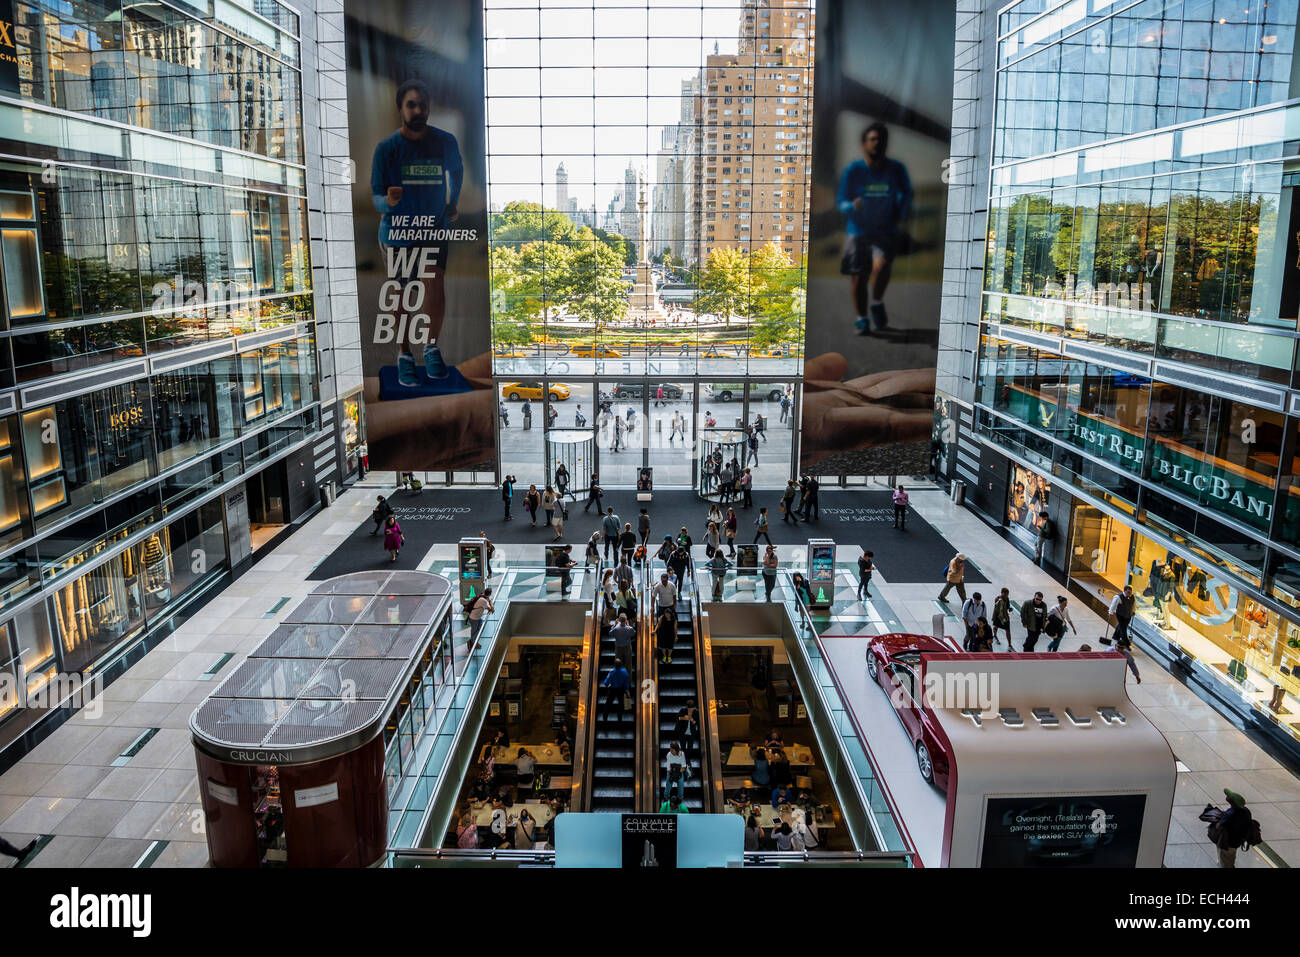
564	561
481	606
866	565
675	771
557	523
760	523
491	551
955	577
1046	532
393	537
731	526
785	407
1121	609
624	636
900	508
809	504
718	566
549	499
532	502
552	413
1058	619
751	445
527	411
973	611
627	544
643	526
1033	615
507	493
1001	620
380	513
769	570
593	549
787	502
594	494
611	525
747	489
504	413
562	481
579	420
726	484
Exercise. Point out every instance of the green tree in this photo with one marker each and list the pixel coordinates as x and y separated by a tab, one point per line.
725	285
521	223
778	297
527	283
594	290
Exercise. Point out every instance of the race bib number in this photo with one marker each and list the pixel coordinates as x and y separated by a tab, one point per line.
422	174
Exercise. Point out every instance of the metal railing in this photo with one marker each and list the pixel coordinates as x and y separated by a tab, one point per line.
706	697
858	772
584	734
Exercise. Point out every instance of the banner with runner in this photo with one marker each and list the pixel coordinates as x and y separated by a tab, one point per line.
882	122
416	123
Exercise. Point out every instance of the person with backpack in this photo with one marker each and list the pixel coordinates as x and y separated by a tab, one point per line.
380	513
627	543
1057	620
1001	619
866	565
478	608
955	577
528	415
973	610
1033	615
1046	532
785	407
1234	827
787	502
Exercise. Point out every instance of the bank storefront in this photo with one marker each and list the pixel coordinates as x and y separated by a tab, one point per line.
1181	494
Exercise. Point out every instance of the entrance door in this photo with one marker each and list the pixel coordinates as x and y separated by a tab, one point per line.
1100	552
670	440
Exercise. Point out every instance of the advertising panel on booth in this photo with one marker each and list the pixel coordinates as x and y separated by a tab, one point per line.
418	172
882	122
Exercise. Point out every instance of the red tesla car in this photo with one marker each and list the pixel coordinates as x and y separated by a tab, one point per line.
894	661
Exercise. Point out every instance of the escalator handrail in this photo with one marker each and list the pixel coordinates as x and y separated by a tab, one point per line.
707	706
647	723
584	734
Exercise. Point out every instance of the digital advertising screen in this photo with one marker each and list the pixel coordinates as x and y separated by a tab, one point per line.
1072	831
470	555
417	141
882	128
821	572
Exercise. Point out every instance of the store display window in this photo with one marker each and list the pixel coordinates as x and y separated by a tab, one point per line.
100	610
1026	500
1234	637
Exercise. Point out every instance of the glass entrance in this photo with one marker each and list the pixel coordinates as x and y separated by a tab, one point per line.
1099	556
670	440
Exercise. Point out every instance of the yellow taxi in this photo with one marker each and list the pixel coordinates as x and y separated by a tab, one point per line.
768	354
519	391
594	352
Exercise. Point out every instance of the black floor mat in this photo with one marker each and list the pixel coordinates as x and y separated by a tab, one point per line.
852	519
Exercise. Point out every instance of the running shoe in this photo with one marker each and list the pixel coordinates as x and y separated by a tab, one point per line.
862	325
878	315
406	370
433	364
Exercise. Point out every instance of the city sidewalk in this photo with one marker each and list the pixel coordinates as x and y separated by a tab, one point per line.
1211	751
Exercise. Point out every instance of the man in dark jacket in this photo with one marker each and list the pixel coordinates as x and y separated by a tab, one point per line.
380	513
809	503
616	683
1234	827
1033	615
507	493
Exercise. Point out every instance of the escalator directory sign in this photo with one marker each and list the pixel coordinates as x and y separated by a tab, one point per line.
471	554
821	571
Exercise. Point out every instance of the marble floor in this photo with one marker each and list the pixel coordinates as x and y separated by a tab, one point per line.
91	808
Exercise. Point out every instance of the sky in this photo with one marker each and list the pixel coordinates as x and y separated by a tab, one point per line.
586	93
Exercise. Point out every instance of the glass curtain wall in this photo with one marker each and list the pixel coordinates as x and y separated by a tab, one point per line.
648	180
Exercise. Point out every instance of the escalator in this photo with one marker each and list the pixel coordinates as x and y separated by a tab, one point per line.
677	683
611	779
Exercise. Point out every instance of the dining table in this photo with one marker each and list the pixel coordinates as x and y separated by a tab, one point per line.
741	757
